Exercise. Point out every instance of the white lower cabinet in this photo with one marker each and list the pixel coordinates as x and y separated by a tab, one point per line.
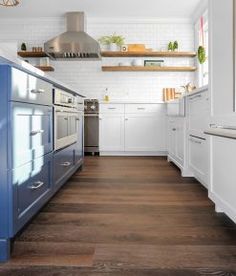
139	130
176	140
222	188
111	132
198	158
145	132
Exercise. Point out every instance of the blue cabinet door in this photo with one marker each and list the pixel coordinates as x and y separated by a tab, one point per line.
29	89
32	186
63	164
31	133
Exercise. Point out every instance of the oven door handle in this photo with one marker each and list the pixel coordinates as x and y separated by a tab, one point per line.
91	115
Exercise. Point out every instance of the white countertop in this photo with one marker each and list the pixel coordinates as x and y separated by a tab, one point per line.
226	133
7	58
197	90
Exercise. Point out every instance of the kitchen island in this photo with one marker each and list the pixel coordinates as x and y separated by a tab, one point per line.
32	168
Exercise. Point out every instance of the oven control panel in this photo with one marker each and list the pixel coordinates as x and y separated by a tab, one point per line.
64	98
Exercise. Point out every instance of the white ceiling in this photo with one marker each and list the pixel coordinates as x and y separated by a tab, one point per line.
104	8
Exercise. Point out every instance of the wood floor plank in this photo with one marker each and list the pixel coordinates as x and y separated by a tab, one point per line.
126	216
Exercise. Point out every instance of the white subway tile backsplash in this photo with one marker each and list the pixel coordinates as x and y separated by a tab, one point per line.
87	77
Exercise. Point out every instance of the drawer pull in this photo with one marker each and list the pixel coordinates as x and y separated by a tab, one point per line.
37	91
36	185
35	132
195	97
112	108
141	108
223	127
66	164
174	129
194	141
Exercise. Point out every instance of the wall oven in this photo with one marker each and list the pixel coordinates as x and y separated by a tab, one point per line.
67	114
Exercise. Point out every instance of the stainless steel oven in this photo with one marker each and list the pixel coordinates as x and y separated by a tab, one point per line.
67	114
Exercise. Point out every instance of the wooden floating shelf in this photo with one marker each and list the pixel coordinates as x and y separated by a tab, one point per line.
32	54
45	68
148	54
147	69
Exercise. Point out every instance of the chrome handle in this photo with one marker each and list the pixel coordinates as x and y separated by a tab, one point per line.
196	142
195	97
174	129
66	118
223	127
77	119
66	164
37	91
141	108
34	132
36	185
112	108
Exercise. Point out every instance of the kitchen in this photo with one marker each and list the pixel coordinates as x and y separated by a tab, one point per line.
117	158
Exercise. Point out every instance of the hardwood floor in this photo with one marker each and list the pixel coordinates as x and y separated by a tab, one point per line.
129	217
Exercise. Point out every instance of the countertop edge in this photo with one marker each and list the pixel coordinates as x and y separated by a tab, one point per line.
225	133
7	59
198	90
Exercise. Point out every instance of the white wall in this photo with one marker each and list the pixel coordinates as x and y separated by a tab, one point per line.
87	76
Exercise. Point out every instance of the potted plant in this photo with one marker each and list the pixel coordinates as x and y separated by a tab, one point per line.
23	47
113	42
175	46
170	46
201	54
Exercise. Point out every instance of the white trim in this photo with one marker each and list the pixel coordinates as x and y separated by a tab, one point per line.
100	20
200	10
131	153
130	20
223	206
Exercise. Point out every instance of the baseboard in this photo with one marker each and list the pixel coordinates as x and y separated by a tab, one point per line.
129	153
223	206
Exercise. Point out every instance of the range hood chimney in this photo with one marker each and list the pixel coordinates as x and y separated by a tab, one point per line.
75	43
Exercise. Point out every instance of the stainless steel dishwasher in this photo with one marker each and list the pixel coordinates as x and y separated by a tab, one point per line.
91	126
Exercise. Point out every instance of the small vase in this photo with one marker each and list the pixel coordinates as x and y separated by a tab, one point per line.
113	47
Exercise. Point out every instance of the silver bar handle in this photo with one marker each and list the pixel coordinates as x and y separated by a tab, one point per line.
36	185
223	127
35	132
112	108
66	164
37	91
195	97
141	108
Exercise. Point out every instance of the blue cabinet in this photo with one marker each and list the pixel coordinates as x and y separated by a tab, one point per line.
31	132
30	170
30	89
32	185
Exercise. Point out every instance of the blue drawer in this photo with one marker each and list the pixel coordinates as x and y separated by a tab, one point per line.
32	186
31	132
63	164
29	89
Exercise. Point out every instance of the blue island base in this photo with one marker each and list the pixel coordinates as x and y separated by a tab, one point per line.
5	248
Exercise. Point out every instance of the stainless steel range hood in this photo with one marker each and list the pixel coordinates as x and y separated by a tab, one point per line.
75	43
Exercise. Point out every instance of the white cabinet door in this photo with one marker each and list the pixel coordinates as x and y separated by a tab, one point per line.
111	132
223	175
145	132
172	138
180	140
198	158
